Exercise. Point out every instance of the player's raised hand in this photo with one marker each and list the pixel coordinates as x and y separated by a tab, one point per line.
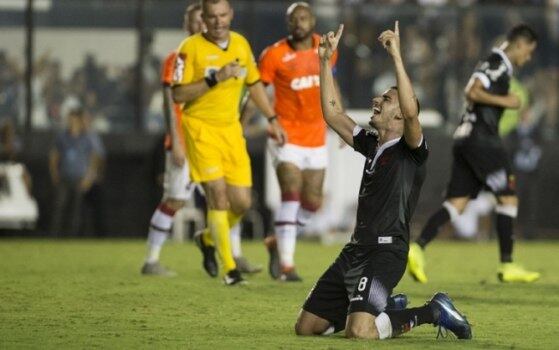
329	43
391	40
230	70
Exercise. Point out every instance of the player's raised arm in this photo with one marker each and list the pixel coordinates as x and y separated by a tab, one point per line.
332	109
406	96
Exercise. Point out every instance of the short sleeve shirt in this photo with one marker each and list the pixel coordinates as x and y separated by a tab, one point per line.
392	178
197	58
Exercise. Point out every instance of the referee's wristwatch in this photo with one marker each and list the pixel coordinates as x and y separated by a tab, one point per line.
272	118
211	80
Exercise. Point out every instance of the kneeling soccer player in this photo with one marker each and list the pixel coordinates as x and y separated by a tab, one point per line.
354	292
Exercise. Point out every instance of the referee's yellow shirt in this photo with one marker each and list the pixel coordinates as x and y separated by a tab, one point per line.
197	57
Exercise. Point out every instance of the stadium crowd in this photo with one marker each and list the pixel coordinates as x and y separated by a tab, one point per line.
443	45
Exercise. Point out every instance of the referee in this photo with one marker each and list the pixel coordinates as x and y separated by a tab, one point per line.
211	70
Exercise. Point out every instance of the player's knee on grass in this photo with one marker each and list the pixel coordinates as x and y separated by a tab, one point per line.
309	324
458	203
361	325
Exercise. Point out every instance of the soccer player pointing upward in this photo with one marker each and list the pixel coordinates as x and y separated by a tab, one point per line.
354	292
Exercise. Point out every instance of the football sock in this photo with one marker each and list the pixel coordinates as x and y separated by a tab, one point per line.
431	229
219	227
504	231
402	321
233	218
159	229
207	238
235	233
304	215
286	229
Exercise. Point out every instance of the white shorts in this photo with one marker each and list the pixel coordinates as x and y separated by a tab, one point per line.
176	182
303	157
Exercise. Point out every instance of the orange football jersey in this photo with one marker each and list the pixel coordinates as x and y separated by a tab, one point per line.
167	80
295	76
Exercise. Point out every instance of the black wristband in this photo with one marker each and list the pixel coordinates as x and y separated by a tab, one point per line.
271	119
211	80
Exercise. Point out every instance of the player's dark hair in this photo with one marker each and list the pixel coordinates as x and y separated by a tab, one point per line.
416	99
522	31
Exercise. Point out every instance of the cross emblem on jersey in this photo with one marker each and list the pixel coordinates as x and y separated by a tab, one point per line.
370	167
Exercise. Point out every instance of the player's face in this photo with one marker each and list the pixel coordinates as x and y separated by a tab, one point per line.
217	18
193	22
525	49
386	111
300	23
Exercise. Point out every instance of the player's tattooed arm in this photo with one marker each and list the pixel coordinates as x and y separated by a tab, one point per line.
330	100
406	96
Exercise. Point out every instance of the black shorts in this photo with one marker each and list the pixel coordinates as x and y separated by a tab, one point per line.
480	167
360	280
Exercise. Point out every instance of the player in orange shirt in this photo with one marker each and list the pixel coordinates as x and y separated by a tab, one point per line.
177	185
291	65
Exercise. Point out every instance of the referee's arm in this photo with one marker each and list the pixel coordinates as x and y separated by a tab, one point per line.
184	93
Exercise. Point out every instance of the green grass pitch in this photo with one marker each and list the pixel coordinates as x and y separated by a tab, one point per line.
89	294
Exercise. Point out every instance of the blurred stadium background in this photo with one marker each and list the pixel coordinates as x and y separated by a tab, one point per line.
106	55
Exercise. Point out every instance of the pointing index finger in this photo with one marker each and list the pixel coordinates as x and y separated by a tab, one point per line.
397	28
340	31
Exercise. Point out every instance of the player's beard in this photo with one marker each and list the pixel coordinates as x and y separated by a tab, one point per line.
299	34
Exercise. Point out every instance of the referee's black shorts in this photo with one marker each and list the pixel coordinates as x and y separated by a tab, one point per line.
360	280
480	167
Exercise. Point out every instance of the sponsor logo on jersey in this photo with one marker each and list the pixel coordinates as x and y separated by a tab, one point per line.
369	167
356	298
212	57
385	240
305	82
288	57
